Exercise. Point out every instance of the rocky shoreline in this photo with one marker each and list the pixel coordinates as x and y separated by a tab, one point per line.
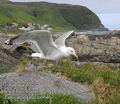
97	48
90	48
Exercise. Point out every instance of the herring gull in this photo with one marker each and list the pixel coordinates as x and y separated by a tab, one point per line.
42	43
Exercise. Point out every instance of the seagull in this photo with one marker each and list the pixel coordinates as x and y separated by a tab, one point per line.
42	43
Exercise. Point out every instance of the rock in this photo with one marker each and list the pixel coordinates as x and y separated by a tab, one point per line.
100	51
24	86
25	29
83	38
49	29
15	24
30	66
7	59
114	40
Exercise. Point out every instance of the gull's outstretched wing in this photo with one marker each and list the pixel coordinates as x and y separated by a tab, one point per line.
42	39
20	39
61	40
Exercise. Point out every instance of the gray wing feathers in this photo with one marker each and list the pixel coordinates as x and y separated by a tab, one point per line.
45	42
61	40
20	39
41	39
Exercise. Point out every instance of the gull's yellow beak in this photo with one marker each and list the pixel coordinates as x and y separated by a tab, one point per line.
75	55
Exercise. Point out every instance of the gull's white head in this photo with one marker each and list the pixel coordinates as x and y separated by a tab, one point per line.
72	52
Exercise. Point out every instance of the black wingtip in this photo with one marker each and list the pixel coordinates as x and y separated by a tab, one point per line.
8	42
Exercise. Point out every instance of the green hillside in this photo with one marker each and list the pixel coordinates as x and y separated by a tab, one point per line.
59	16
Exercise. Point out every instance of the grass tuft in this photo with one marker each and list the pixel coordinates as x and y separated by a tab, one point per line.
22	64
49	99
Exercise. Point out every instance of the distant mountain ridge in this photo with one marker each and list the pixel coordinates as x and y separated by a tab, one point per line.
59	16
4	1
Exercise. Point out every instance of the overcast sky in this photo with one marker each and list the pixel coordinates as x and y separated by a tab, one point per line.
98	6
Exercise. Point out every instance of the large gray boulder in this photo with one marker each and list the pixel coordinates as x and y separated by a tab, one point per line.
26	85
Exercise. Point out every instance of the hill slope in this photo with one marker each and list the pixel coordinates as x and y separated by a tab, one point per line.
60	16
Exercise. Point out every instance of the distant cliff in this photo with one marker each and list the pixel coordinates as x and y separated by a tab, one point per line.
59	16
4	1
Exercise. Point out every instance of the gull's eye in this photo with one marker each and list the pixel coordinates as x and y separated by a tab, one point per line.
71	50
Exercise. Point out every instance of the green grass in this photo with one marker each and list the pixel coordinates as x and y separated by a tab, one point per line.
44	99
80	17
103	81
87	73
60	17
